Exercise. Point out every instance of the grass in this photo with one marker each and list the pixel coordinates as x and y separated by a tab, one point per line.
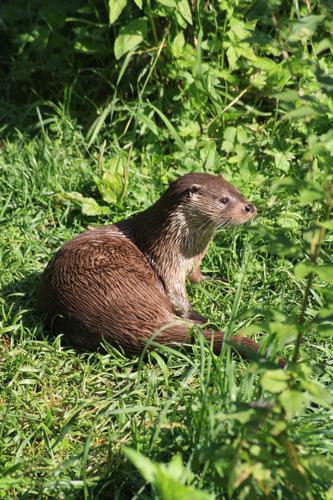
66	417
243	88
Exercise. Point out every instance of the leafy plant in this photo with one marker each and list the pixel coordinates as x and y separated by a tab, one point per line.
103	104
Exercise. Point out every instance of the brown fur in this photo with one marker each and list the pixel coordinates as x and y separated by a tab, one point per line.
125	283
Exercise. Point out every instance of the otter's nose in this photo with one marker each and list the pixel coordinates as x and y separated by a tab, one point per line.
250	208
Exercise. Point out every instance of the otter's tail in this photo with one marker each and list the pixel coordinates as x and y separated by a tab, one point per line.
180	334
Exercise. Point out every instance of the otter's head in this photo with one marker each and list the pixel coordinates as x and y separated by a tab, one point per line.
210	200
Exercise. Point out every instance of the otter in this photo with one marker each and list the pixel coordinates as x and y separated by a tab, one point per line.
125	283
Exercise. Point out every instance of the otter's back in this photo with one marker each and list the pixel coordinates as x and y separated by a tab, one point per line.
100	285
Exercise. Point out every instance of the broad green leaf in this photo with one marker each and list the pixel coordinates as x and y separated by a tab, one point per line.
130	36
111	186
318	393
230	134
325	330
302	112
245	51
243	135
287	182
281	161
175	468
261	473
177	44
287	221
326	312
275	380
171	489
42	35
138	3
184	9
232	57
191	129
238	29
329	493
229	139
324	272
321	466
55	14
295	475
278	427
168	3
115	9
308	196
71	196
322	45
255	450
90	207
287	96
325	81
292	401
302	269
181	492
145	466
328	224
180	20
284	331
165	478
265	63
24	38
279	243
305	27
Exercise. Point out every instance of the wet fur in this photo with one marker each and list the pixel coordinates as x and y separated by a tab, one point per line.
125	283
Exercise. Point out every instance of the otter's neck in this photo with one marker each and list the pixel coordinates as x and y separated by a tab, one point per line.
172	240
169	237
163	231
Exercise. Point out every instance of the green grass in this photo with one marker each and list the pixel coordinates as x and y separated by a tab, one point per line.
66	417
239	87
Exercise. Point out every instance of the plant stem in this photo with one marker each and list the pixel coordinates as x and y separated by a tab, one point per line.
315	247
152	22
301	319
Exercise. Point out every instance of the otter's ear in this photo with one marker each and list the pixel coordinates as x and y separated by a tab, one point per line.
194	188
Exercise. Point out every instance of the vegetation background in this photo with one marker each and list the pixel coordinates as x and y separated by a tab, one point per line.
101	105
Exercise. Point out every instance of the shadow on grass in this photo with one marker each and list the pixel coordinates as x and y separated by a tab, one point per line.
20	307
20	299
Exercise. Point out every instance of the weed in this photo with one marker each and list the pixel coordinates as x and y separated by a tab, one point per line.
104	105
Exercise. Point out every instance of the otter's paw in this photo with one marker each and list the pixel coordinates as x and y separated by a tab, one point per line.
194	316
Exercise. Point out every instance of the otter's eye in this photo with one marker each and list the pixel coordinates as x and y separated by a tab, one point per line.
224	200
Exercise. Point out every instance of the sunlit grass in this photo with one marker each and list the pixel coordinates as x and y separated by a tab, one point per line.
65	416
